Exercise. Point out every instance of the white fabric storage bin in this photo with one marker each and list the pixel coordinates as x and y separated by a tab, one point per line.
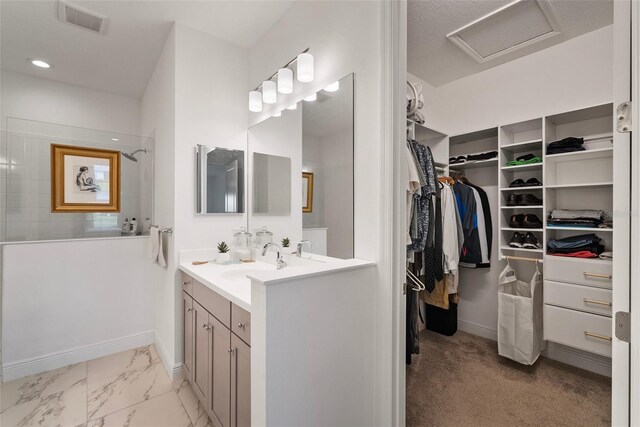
520	329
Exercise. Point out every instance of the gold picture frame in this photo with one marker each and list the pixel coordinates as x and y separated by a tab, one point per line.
84	179
307	192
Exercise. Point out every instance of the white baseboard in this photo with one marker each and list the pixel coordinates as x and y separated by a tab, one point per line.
478	330
561	353
173	369
36	365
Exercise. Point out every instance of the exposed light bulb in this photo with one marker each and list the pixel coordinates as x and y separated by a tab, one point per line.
255	101
292	106
305	67
311	97
285	80
278	114
333	87
269	93
39	63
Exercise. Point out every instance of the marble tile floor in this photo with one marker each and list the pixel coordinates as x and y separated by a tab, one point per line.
130	389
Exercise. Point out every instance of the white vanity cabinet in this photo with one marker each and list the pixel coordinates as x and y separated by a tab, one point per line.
217	354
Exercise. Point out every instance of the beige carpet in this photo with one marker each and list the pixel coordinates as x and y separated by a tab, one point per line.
461	381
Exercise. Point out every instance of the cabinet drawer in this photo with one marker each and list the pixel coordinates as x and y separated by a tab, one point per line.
579	271
241	323
213	302
578	297
187	283
570	327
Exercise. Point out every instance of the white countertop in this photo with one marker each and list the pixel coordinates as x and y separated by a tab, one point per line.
233	281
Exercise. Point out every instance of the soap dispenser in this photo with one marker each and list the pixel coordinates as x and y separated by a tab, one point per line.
241	249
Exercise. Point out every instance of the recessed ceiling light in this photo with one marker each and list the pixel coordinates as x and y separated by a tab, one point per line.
115	139
40	63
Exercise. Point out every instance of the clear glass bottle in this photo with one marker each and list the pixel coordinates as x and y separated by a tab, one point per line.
263	237
241	249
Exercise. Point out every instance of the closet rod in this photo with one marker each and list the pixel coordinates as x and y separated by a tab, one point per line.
521	258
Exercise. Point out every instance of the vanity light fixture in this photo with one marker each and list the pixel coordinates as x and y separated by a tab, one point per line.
292	106
285	80
269	93
305	67
40	63
115	139
333	87
311	97
255	101
278	114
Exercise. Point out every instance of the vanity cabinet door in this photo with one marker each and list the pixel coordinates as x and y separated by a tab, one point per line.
202	344
187	355
240	383
220	373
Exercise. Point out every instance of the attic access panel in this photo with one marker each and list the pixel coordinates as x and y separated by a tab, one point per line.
512	27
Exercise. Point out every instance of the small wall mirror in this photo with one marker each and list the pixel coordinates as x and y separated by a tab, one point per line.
220	180
271	184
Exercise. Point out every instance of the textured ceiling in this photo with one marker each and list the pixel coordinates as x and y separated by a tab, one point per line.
437	60
122	60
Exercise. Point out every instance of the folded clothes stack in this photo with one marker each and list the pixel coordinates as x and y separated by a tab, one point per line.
566	145
607	223
575	218
582	246
527	159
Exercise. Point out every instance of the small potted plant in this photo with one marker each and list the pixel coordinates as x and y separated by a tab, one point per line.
286	242
223	253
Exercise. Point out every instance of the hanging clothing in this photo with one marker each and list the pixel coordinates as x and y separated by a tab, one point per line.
413	187
486	209
467	210
424	161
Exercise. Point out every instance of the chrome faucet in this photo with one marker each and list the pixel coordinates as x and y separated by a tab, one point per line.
279	260
301	244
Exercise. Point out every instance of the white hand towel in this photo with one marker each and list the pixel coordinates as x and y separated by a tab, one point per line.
156	252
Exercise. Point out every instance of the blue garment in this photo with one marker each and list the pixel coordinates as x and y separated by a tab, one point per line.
574	241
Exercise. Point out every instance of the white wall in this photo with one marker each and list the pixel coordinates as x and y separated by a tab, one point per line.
197	95
575	74
344	37
158	120
52	309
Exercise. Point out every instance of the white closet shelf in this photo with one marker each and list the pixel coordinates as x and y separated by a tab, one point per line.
509	248
475	164
595	153
519	147
535	187
521	229
426	132
581	185
518	167
580	260
522	207
589	229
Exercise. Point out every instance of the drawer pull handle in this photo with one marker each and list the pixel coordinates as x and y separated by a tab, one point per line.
597	275
207	327
241	325
593	301
602	337
185	283
189	309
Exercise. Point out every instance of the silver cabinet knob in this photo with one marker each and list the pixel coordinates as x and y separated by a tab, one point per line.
189	309
207	327
185	283
231	350
241	325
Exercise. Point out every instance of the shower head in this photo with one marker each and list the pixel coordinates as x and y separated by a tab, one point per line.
131	156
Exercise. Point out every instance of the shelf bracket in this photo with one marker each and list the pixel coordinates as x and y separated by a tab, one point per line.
623	117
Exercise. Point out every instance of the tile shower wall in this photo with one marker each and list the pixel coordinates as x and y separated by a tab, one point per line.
25	184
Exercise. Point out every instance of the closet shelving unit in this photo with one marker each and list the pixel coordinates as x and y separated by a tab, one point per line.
434	139
476	142
514	141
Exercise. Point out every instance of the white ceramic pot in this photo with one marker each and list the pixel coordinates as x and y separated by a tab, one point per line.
223	258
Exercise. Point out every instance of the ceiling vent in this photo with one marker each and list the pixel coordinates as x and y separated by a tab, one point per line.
512	27
81	17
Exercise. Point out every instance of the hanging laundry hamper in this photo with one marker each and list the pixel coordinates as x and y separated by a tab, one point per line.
520	332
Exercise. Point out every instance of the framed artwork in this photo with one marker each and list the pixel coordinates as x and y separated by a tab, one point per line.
307	192
84	179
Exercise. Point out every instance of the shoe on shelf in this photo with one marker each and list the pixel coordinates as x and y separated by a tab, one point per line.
517	183
516	221
517	240
531	221
530	241
528	200
533	182
512	200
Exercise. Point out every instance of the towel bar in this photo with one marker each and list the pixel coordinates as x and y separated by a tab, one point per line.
167	230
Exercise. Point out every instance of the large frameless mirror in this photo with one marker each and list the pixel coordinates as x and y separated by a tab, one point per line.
316	140
220	180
